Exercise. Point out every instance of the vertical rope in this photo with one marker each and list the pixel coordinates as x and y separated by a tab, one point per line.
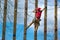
15	20
45	21
4	20
55	25
25	18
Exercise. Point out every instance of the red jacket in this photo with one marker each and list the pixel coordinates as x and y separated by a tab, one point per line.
38	13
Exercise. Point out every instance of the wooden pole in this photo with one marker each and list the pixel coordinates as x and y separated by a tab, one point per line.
4	20
45	21
15	20
55	25
25	18
35	31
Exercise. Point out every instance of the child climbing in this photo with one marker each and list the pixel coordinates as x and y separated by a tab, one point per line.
37	19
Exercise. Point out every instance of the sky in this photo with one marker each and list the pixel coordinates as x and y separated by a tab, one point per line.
30	16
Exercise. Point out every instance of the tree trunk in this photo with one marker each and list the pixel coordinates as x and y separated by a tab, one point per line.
4	20
55	25
35	31
45	21
25	18
15	20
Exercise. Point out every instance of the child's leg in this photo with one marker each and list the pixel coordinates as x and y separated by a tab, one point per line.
29	25
36	26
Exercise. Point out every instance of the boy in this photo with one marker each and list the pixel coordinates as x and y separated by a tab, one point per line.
37	19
